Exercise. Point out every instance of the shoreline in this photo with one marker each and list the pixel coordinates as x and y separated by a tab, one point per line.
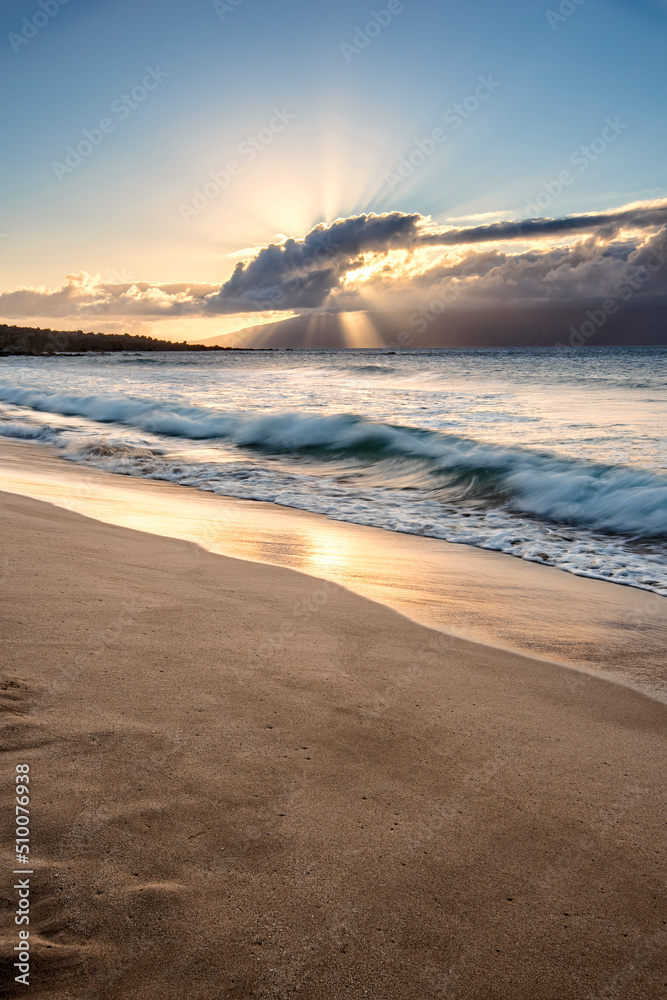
244	785
611	630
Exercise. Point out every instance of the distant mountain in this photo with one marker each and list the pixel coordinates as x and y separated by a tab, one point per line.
564	325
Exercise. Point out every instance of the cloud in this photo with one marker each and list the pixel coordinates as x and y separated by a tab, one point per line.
642	217
302	273
588	270
84	295
307	273
387	260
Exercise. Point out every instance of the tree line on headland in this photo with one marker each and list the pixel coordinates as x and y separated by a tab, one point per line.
32	340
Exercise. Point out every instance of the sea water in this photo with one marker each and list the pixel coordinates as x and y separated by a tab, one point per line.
555	456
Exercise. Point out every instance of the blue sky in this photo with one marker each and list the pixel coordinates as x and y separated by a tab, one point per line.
353	116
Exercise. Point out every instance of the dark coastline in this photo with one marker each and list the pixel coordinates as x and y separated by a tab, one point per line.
22	340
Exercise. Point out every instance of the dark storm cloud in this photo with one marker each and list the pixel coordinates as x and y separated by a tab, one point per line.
609	222
302	273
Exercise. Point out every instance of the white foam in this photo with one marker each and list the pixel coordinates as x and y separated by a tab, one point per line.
404	466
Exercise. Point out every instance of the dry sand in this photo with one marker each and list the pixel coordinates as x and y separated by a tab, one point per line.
247	783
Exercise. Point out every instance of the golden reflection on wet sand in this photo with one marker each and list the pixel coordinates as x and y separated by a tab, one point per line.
485	596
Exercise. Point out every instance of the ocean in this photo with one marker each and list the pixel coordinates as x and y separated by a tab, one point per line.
554	456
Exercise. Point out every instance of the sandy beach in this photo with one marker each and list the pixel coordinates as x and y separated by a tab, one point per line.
248	783
333	501
489	597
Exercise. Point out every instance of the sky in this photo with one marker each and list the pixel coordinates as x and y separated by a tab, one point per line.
184	169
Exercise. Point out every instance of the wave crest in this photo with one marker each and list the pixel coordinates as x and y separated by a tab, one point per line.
608	498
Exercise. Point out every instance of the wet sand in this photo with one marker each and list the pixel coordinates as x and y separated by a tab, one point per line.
489	597
247	783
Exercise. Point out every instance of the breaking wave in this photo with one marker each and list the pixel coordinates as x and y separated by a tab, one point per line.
610	498
602	520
